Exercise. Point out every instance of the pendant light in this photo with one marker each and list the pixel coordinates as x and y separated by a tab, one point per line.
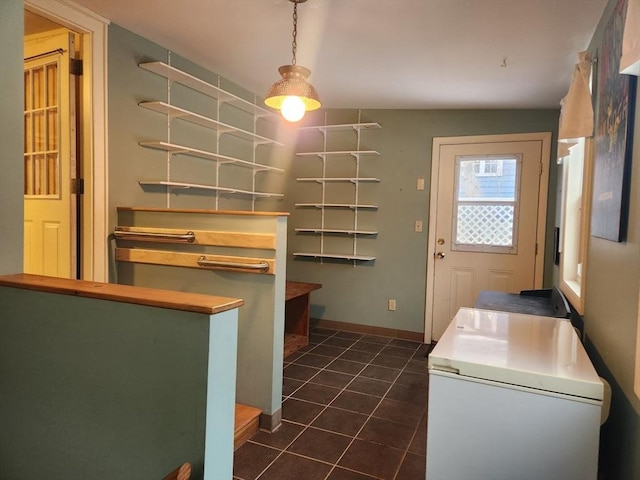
293	95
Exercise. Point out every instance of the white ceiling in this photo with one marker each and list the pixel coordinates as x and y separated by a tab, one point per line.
400	54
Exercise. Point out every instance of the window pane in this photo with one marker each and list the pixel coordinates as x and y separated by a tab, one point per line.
486	203
41	130
38	87
485	225
52	85
487	180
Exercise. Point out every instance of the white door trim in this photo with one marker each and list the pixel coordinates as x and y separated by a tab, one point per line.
94	29
438	142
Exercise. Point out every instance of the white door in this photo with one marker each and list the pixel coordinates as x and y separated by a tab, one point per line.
487	220
49	155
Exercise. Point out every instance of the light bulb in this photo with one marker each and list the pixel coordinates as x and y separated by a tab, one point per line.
292	108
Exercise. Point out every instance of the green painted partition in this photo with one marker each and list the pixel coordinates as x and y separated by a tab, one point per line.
98	389
260	319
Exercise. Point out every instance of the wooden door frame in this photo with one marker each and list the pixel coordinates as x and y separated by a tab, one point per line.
94	148
438	143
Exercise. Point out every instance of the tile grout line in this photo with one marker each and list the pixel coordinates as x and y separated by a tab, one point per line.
306	426
342	390
371	416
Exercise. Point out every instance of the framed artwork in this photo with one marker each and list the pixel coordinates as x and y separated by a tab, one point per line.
613	136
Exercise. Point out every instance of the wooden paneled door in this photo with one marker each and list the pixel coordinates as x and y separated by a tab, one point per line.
49	155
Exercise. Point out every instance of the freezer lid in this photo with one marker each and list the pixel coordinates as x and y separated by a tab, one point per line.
544	353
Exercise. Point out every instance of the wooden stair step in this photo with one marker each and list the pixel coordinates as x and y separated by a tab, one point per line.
247	423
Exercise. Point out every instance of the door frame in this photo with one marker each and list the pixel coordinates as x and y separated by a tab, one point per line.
94	29
438	142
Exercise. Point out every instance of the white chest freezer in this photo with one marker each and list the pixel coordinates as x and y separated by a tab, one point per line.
512	397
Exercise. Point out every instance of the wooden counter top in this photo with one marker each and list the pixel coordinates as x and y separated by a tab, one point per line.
190	302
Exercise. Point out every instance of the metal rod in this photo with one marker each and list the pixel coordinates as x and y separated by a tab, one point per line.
203	262
59	51
188	237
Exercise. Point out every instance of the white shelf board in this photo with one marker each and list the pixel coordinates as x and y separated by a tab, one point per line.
335	230
181	149
338	179
208	187
346	126
363	258
336	205
175	75
353	153
176	112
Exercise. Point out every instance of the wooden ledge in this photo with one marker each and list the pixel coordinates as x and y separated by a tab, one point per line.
152	297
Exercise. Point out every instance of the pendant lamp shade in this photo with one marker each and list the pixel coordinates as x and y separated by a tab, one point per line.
293	83
293	95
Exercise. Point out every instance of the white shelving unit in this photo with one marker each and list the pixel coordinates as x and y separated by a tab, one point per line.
336	231
174	112
197	186
337	179
194	152
356	180
353	206
362	258
174	75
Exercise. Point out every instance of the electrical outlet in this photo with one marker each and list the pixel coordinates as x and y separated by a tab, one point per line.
392	304
418	226
420	184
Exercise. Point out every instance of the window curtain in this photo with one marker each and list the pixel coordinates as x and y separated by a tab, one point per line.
630	59
576	114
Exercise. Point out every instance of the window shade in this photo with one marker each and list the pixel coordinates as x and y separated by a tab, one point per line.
630	59
576	114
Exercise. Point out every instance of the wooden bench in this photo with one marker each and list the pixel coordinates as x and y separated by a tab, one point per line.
296	315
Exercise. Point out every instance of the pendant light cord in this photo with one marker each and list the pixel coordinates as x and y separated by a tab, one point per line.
294	44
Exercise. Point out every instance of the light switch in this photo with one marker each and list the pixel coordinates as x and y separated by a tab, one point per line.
420	184
418	226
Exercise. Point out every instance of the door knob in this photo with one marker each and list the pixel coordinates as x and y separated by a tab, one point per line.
440	254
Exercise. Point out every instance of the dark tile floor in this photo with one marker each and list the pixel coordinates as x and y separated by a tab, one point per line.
354	408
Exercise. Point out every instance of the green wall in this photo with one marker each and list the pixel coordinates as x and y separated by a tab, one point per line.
611	317
359	294
349	294
11	134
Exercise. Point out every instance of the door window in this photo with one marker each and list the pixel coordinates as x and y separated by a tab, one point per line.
41	126
485	213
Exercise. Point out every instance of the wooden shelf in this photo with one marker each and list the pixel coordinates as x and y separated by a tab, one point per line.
194	152
208	187
342	127
175	75
337	256
339	179
339	153
336	205
336	231
176	112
